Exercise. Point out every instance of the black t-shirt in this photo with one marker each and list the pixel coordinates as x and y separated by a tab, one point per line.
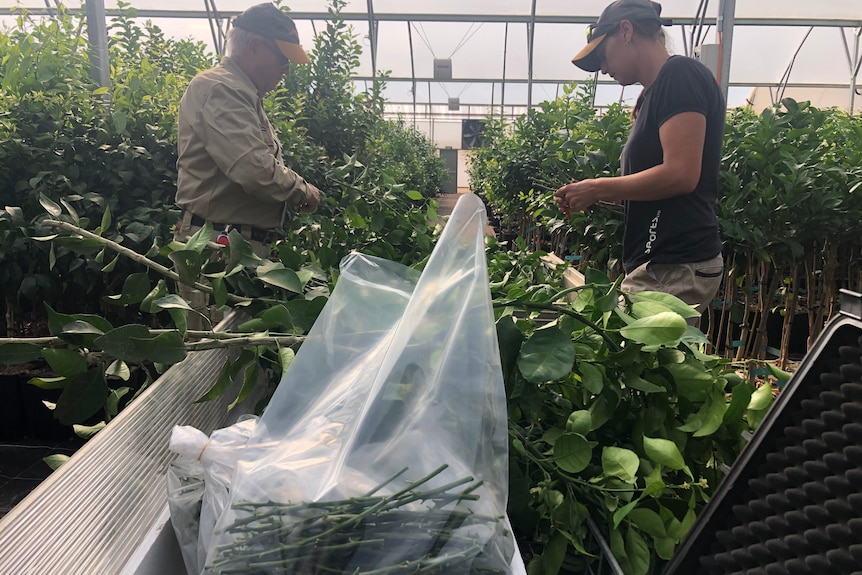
681	229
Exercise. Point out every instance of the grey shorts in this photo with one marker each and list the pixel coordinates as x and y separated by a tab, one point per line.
694	283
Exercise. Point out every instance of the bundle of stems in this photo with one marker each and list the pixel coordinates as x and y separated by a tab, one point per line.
407	531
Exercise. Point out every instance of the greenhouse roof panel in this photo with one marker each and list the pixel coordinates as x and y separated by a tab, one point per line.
488	40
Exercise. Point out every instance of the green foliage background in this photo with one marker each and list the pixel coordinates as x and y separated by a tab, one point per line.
789	209
114	150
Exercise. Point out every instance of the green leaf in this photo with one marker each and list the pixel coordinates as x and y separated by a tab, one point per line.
72	212
283	278
48	382
579	422
509	339
551	560
219	387
167	348
285	358
304	312
65	362
249	381
694	336
119	120
187	264
414	195
635	381
692	380
572	452
665	328
181	319
119	369
648	521
276	318
623	512
618	548
81	327
171	301
708	419
122	342
591	377
642	309
106	221
779	374
601	411
229	372
620	462
50	206
17	353
739	401
548	355
58	323
637	552
761	399
135	289
665	547
82	397
88	431
112	405
663	452
668	302
54	461
157	292
110	267
219	291
199	240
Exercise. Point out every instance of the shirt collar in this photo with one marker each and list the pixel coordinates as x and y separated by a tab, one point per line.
230	64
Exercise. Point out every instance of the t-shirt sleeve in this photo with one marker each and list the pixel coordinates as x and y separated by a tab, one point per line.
680	89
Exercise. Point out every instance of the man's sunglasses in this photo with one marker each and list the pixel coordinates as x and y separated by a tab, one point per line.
282	59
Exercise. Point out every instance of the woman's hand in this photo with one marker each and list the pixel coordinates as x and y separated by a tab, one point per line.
577	196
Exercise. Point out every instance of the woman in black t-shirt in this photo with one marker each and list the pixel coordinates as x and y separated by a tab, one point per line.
670	162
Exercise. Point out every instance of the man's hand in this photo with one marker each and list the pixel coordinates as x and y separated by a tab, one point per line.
310	204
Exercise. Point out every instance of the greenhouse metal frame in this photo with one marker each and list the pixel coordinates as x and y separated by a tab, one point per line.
508	68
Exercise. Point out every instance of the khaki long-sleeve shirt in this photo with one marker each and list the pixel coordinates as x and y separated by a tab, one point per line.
229	165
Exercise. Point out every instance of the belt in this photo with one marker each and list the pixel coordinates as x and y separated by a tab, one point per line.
257	234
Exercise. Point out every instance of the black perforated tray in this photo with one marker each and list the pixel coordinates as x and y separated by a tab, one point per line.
792	502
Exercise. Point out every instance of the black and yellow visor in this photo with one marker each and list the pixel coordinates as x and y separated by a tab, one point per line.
634	10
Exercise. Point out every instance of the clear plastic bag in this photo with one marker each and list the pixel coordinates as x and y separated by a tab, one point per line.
185	480
199	483
384	448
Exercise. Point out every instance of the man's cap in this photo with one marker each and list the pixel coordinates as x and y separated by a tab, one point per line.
270	22
632	10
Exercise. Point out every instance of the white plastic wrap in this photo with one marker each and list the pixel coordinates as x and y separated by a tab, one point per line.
384	448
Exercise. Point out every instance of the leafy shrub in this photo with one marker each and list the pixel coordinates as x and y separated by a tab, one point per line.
789	205
615	416
113	150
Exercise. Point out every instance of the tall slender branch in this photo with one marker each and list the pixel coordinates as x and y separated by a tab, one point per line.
135	256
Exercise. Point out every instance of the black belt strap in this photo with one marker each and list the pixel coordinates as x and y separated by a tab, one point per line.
257	234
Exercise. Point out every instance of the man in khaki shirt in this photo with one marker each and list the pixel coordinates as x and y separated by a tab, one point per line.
229	167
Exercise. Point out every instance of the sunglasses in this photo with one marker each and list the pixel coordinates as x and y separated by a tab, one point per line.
282	59
598	29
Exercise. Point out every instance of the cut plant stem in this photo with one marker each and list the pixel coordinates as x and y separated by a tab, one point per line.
369	534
